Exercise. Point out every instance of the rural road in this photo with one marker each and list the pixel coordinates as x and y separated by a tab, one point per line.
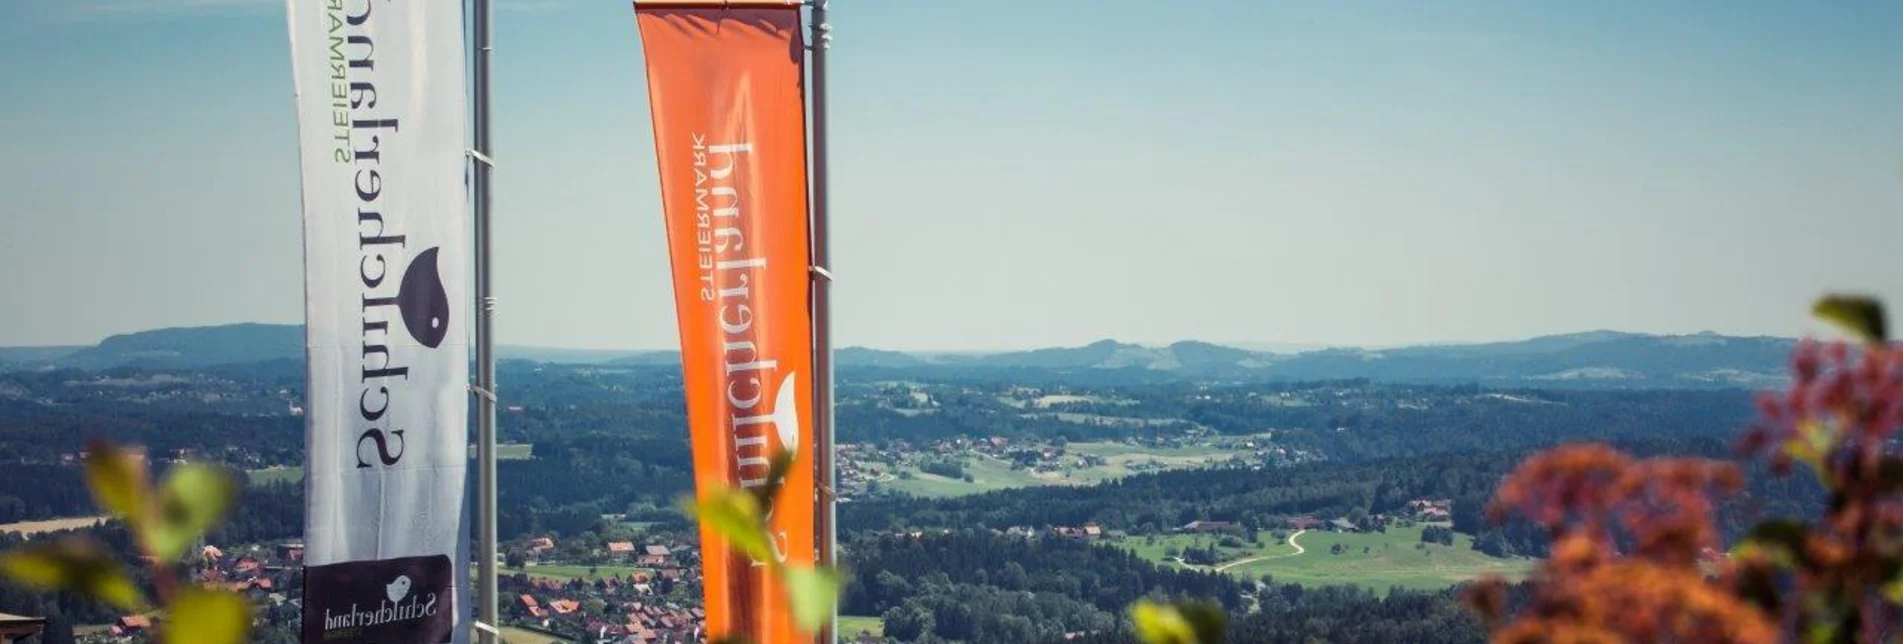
1291	541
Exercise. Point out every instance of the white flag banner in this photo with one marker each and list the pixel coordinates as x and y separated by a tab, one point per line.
382	123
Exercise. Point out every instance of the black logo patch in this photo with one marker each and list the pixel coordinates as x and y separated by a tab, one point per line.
424	303
392	600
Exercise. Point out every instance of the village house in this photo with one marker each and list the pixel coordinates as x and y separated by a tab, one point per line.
292	552
14	628
1431	509
248	565
654	555
621	548
131	625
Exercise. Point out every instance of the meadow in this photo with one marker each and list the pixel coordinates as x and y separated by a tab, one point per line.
990	473
565	573
850	626
1379	561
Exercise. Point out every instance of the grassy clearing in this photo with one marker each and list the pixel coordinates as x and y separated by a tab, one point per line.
1157	549
276	474
513	451
565	573
986	475
29	528
1121	459
1379	561
513	635
852	625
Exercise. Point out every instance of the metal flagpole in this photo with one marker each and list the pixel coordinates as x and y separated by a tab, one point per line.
485	336
822	311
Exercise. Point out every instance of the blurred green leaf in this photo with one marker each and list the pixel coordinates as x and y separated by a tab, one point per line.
206	617
1781	541
74	564
1180	623
1785	533
736	516
812	593
1161	624
1821	633
775	479
1860	316
1206	618
1815	440
117	482
1893	591
192	499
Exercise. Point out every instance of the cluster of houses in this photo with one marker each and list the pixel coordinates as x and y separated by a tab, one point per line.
270	578
631	621
1086	532
634	608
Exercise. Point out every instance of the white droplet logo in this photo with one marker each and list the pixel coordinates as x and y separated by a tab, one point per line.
398	589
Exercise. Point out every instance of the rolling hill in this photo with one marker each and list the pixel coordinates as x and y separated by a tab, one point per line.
1590	359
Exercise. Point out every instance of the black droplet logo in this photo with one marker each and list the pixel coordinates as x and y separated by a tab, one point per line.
424	304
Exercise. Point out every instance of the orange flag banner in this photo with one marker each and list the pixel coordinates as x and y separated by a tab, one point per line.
726	85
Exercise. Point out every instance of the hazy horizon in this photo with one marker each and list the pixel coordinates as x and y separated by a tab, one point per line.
1012	175
1251	345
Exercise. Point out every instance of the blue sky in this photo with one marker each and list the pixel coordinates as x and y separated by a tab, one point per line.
1014	174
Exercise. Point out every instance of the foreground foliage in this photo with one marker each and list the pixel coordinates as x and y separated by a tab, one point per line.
165	521
1628	534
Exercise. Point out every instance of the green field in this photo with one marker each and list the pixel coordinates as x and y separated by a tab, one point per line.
1123	459
565	573
987	474
1158	551
513	451
291	474
513	635
850	626
1382	560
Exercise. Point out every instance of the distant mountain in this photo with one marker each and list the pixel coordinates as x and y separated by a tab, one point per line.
864	357
192	347
649	358
1190	353
1590	359
32	356
568	356
1603	358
